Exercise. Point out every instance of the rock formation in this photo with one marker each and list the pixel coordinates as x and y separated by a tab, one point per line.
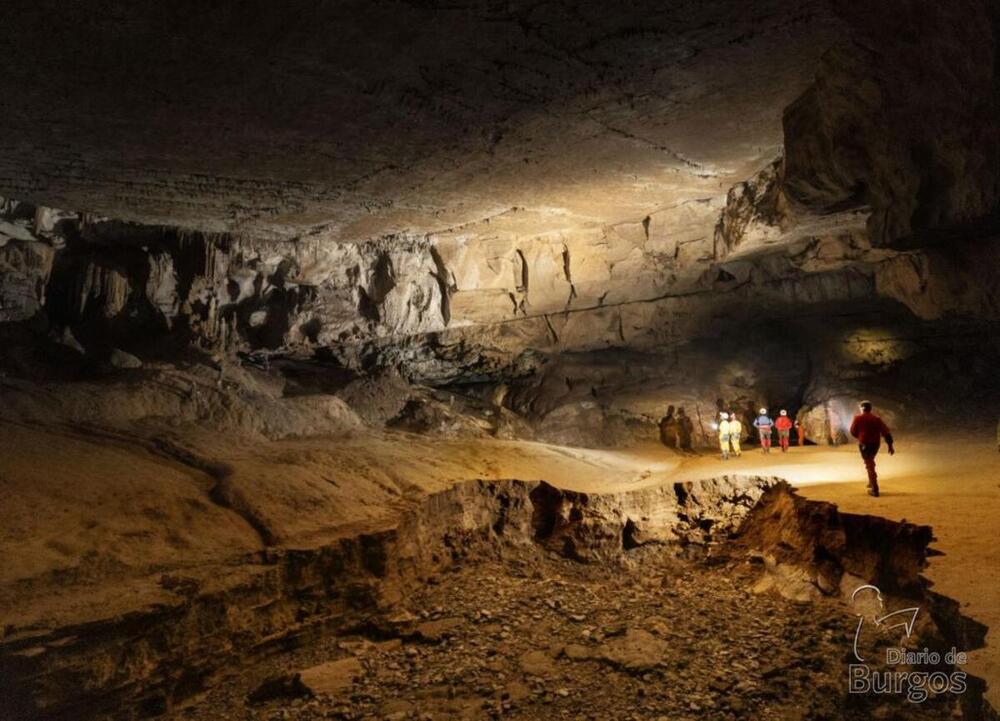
594	196
230	234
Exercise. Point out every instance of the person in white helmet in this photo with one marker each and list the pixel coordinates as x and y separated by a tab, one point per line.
784	426
724	431
764	424
735	433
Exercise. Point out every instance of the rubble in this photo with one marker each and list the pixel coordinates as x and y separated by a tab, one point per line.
662	638
467	609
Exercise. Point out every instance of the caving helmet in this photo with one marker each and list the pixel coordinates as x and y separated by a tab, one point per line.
724	416
763	411
784	412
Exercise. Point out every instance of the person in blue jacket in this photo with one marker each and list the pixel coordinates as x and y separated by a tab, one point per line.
764	425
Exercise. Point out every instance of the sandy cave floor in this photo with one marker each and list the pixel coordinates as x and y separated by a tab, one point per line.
951	484
99	515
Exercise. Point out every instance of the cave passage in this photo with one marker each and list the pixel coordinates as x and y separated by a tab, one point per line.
381	360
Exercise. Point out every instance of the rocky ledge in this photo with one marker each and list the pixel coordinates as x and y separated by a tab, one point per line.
617	583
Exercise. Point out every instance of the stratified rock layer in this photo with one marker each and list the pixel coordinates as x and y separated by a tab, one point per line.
287	596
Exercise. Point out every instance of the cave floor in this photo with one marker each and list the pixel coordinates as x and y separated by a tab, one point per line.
90	523
950	483
541	637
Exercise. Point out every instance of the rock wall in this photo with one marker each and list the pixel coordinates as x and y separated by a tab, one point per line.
101	278
542	318
889	151
248	294
558	189
901	118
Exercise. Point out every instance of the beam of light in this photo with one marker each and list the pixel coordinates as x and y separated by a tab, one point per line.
812	465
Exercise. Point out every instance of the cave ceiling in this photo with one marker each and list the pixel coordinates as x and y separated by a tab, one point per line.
354	120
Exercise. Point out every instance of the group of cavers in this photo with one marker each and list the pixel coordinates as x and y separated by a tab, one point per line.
731	432
677	429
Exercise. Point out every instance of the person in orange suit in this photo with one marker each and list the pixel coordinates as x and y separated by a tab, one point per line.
784	426
869	429
800	432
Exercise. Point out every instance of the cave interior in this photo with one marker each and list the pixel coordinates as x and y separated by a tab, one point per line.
331	333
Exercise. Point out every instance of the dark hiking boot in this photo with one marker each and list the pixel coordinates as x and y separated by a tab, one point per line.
873	491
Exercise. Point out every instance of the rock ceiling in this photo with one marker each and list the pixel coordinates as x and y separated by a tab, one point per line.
355	120
605	174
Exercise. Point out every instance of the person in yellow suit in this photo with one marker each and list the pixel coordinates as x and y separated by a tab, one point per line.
724	437
735	434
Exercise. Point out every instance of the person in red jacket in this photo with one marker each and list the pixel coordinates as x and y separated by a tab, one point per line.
784	426
869	429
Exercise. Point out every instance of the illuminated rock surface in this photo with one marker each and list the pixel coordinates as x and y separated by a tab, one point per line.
271	279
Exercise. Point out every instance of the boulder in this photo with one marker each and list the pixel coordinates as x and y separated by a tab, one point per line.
333	677
124	360
636	651
538	663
